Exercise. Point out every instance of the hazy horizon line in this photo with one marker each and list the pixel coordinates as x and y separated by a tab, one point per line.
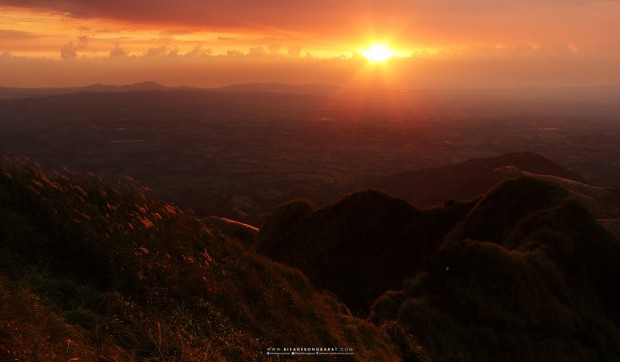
303	84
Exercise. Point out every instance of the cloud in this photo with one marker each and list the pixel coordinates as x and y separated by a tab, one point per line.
323	27
294	51
16	35
275	12
337	26
197	51
157	51
274	48
235	14
235	54
68	51
118	52
257	52
505	66
82	41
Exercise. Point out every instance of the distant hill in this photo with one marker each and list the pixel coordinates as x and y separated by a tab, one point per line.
306	89
10	93
91	272
597	94
466	180
517	274
142	86
311	89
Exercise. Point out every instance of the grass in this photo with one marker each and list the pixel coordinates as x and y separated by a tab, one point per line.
93	272
531	288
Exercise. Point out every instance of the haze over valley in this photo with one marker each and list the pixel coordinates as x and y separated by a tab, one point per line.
238	152
349	180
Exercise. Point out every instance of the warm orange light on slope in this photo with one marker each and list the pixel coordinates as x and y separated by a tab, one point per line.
378	53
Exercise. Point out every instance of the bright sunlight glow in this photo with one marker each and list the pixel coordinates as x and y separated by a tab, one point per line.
378	53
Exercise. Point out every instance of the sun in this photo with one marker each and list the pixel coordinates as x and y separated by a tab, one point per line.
378	53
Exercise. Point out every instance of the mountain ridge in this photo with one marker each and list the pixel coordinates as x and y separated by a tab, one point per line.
491	278
506	275
605	92
468	179
146	86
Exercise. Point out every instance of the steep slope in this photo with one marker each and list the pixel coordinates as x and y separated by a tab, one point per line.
602	202
528	276
524	273
92	272
360	246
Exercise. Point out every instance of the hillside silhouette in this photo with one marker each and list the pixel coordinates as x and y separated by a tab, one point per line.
522	273
12	93
470	179
93	272
467	180
90	271
358	247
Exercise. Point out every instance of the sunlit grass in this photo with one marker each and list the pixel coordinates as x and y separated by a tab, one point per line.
96	272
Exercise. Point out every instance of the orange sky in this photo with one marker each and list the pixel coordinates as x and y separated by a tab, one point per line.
439	43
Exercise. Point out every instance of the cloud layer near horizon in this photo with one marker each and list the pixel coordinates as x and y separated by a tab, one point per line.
572	40
310	16
204	70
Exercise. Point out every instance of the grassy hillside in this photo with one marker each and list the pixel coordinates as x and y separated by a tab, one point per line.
524	273
529	275
360	246
92	272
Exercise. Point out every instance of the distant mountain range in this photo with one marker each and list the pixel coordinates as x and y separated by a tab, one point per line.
603	93
8	93
308	89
